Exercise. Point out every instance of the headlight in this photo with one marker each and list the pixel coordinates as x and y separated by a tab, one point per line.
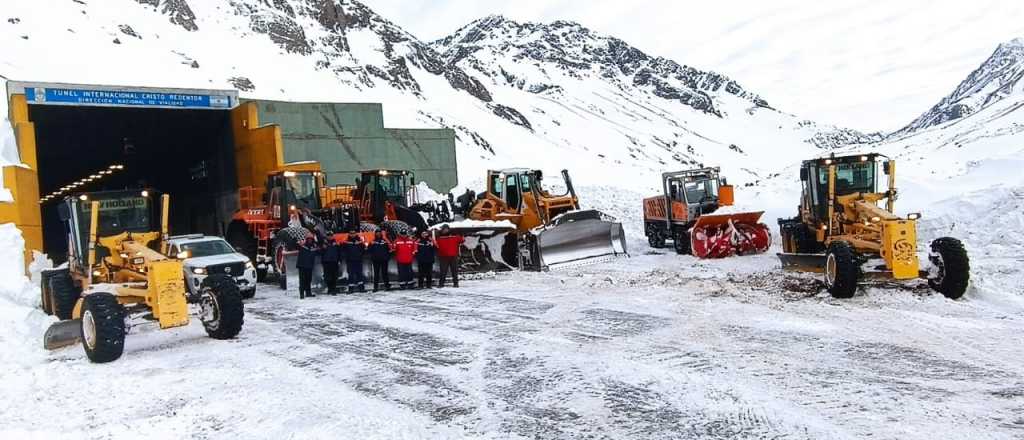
199	270
249	265
914	216
183	255
138	261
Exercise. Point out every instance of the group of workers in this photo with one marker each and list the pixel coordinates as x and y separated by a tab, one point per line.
425	250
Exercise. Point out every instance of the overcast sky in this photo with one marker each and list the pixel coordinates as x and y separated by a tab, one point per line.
867	64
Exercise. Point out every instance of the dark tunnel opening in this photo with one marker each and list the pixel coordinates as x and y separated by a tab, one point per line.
188	154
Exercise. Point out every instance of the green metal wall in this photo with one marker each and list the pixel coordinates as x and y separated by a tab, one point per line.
348	138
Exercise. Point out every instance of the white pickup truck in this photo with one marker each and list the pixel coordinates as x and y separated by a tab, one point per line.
204	256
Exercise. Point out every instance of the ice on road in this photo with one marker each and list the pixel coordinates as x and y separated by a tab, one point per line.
655	346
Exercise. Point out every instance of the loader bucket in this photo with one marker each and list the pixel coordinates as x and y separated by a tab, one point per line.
62	334
725	235
580	237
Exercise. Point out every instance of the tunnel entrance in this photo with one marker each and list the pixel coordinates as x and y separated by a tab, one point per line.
187	153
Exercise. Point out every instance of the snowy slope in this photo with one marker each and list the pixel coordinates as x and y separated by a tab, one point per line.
998	79
652	116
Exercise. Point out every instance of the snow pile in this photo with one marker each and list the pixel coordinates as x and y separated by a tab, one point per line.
20	317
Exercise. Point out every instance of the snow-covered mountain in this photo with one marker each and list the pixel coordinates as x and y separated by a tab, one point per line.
997	79
541	95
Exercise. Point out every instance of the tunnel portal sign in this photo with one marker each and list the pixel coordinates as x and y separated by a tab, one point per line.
117	98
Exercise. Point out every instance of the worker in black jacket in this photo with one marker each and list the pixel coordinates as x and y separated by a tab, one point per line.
426	253
304	263
329	258
380	253
353	251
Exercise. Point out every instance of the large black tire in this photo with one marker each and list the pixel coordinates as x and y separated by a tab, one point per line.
219	296
45	301
842	270
103	328
63	294
953	267
655	238
285	240
681	241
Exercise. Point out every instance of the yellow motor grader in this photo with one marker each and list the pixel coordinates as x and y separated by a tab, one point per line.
117	271
843	233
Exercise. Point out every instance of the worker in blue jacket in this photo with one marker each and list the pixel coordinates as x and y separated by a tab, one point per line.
353	251
329	258
304	263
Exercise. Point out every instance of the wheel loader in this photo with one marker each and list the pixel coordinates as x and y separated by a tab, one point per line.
118	276
685	213
295	202
841	232
538	230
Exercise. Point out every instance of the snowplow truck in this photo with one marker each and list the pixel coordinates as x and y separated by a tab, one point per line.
546	231
841	231
118	274
296	203
687	213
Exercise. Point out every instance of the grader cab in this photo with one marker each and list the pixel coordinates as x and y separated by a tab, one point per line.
117	273
841	231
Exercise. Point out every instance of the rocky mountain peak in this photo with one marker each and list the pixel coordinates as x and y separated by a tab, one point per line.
998	78
568	49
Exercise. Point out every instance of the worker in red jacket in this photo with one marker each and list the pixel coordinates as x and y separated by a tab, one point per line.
405	254
448	254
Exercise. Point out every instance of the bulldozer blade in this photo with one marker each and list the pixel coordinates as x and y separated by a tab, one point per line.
580	237
721	219
63	334
803	262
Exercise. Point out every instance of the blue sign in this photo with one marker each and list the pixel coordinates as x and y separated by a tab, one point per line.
39	95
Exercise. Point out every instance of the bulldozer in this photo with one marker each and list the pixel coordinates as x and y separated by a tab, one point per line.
295	202
538	230
685	213
117	273
842	233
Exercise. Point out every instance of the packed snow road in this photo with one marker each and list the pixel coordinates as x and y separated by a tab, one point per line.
656	346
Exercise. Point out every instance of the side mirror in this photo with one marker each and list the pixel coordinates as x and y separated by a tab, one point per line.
803	174
886	167
412	181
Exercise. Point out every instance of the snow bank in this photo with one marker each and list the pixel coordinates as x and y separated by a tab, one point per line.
20	317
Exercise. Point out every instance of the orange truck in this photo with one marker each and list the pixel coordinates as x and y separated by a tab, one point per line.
688	212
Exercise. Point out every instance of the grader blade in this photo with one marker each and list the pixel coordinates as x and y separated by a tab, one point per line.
580	237
62	334
803	262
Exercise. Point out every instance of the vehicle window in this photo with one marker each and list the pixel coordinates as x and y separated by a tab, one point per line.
701	191
851	177
207	248
497	185
302	189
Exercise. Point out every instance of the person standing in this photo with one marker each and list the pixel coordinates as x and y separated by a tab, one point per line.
353	250
405	253
329	259
304	263
426	252
380	254
448	255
